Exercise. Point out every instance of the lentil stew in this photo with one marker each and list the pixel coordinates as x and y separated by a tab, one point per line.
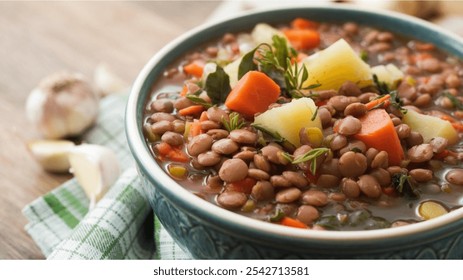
314	125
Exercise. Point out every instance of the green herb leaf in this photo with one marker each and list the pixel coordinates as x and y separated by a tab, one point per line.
381	86
198	100
314	115
364	55
396	102
311	156
234	122
281	50
455	101
277	216
247	64
218	86
275	135
404	185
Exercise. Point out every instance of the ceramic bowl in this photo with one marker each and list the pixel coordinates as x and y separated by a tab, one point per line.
207	231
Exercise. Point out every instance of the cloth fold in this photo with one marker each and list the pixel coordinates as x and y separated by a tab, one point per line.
120	226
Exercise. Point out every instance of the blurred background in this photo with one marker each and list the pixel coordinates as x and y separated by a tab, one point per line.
103	40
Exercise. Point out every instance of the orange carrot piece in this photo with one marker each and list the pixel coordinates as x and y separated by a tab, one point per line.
184	91
253	93
169	152
446	117
195	128
303	39
458	126
203	116
163	148
376	102
378	132
194	68
244	186
290	222
191	110
302	23
390	191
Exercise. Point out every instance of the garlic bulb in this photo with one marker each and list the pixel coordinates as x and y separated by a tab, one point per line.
63	104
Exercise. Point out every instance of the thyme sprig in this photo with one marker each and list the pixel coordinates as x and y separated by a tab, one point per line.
381	86
275	135
276	61
455	101
295	78
198	100
234	122
311	156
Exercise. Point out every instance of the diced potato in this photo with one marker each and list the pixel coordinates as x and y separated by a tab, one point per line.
389	74
232	71
263	33
430	127
335	65
288	119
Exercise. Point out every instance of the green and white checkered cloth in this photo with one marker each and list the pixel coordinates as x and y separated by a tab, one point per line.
120	226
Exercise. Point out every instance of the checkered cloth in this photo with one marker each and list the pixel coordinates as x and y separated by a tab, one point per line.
120	226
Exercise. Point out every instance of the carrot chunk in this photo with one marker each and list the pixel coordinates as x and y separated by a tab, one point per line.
167	151
303	39
253	93
378	132
302	23
383	101
191	110
290	222
244	186
194	68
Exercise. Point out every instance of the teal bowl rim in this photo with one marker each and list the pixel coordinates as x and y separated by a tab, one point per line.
221	218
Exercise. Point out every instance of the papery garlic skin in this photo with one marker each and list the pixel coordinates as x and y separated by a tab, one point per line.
64	104
96	168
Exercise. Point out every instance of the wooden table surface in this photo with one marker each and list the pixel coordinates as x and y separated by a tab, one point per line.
39	38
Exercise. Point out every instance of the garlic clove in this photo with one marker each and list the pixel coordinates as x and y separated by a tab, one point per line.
106	81
51	154
96	168
63	104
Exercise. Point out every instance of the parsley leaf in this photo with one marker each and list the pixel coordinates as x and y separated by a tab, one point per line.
218	86
404	185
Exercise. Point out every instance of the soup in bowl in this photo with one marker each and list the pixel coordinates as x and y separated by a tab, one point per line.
288	134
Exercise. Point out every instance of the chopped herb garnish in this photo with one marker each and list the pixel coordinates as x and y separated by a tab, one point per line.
247	63
275	135
218	85
396	102
295	78
381	86
364	55
311	156
455	101
198	100
277	216
314	115
404	185
275	61
234	122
